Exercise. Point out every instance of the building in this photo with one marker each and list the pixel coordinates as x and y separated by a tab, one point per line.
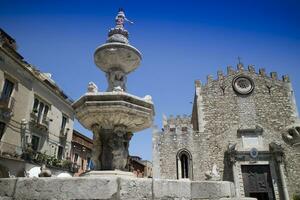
36	116
81	152
140	168
244	128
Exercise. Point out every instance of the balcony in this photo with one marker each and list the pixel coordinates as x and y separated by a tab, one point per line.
63	135
41	123
6	106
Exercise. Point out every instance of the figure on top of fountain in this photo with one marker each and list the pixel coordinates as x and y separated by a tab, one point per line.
117	58
119	33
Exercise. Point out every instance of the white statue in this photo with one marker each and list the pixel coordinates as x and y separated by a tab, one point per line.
118	89
92	88
148	98
213	175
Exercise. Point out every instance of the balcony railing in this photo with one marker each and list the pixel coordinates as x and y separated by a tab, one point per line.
39	122
7	105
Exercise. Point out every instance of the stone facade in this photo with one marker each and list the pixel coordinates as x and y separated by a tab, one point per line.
34	111
238	114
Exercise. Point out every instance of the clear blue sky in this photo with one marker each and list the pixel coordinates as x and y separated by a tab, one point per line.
181	41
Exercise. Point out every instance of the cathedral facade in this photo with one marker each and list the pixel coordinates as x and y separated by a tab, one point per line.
244	128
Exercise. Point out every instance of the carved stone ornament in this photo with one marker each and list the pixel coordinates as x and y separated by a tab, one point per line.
254	153
243	85
291	134
92	88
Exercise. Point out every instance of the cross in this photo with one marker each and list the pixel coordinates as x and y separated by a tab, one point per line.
239	59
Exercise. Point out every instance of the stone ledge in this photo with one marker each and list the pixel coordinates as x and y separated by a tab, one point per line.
211	189
113	188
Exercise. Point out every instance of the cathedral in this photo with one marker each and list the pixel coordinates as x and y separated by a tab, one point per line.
244	128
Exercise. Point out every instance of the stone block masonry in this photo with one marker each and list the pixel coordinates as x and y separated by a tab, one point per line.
113	188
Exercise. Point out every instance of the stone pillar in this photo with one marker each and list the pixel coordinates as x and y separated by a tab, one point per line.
111	148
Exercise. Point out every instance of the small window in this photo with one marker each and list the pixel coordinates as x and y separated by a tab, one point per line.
75	158
35	105
7	89
63	122
184	164
40	112
35	142
60	152
40	109
46	109
2	129
82	164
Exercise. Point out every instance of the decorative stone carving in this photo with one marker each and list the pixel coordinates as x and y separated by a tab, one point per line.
243	85
213	175
114	115
291	134
277	151
45	172
148	98
116	80
231	151
111	147
92	88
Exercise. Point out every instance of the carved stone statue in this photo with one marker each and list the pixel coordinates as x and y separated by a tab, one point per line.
148	98
110	149
92	87
45	172
213	175
116	78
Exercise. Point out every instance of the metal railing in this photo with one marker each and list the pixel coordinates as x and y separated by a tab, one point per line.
39	122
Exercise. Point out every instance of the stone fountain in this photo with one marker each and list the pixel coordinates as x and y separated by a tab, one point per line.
114	115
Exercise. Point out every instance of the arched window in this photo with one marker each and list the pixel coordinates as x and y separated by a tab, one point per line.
184	164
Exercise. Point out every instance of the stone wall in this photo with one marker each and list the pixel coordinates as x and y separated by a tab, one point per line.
114	188
219	112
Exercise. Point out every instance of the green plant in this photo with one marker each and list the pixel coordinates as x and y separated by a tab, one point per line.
296	196
67	164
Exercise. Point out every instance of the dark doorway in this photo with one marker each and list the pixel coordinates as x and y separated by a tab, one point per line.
257	182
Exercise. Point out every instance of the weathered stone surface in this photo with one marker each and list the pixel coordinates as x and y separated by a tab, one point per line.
7	186
6	198
113	188
219	112
67	188
239	198
172	189
135	189
211	190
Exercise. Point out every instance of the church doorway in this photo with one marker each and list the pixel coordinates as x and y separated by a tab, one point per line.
258	182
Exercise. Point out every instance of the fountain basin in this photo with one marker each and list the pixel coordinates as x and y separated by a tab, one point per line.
117	55
108	109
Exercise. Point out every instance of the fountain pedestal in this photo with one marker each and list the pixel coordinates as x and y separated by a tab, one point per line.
115	115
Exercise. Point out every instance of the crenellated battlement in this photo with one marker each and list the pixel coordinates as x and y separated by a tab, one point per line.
240	69
178	121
